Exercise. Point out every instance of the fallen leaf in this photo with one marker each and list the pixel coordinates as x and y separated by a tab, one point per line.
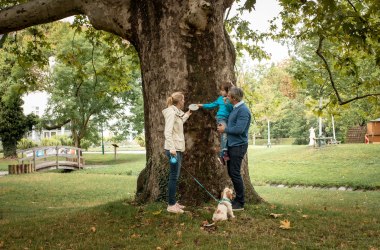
179	234
135	235
204	223
157	212
93	229
276	215
182	224
177	242
158	248
305	216
285	224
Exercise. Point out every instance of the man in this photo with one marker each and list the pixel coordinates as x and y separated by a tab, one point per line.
237	142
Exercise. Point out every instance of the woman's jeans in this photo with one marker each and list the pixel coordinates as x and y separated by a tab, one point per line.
223	136
175	170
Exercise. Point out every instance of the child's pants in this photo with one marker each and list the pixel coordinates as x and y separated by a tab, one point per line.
223	136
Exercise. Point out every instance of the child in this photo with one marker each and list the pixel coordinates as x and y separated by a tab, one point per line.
224	110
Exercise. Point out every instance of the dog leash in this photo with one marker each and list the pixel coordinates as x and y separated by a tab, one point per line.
201	185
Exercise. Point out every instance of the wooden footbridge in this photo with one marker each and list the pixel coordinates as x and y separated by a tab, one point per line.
45	158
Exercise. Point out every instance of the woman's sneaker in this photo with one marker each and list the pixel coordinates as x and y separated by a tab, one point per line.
174	209
180	206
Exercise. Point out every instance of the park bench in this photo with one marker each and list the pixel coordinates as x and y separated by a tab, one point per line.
49	157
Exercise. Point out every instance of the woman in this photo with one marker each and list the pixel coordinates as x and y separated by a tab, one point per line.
174	144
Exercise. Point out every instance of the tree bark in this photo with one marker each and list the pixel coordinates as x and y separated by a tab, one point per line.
182	46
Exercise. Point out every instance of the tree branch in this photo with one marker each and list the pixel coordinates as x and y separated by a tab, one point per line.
37	12
3	37
319	53
114	16
51	127
357	12
327	66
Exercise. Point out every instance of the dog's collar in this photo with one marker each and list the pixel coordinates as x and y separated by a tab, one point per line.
224	199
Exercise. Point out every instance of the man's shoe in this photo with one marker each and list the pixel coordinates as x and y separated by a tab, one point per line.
174	209
237	207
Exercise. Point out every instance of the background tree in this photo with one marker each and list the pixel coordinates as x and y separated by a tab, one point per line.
21	63
270	101
13	123
92	80
345	37
311	77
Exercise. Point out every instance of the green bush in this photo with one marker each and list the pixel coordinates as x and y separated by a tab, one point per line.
64	139
50	142
25	144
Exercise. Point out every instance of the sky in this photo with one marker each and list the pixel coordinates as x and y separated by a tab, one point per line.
266	10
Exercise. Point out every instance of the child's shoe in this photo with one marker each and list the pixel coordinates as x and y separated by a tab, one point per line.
226	157
221	160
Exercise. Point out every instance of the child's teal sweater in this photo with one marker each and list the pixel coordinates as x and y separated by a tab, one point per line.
224	110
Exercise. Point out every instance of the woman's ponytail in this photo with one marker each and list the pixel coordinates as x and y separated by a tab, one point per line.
169	101
175	98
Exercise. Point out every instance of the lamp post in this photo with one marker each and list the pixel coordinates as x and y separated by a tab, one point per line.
320	118
269	144
102	141
333	127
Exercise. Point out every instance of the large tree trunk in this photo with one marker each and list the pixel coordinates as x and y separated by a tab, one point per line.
182	46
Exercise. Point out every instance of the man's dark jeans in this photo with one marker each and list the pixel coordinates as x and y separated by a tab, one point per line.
236	155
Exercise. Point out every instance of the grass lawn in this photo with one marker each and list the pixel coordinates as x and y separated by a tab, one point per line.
350	165
94	209
5	162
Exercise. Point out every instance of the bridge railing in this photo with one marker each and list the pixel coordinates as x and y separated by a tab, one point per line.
41	157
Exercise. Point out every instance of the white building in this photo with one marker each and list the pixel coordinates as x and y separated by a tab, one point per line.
36	103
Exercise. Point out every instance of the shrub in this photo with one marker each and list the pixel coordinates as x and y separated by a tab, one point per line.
50	142
64	139
25	144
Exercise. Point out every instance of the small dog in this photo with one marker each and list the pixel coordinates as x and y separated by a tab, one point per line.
224	209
